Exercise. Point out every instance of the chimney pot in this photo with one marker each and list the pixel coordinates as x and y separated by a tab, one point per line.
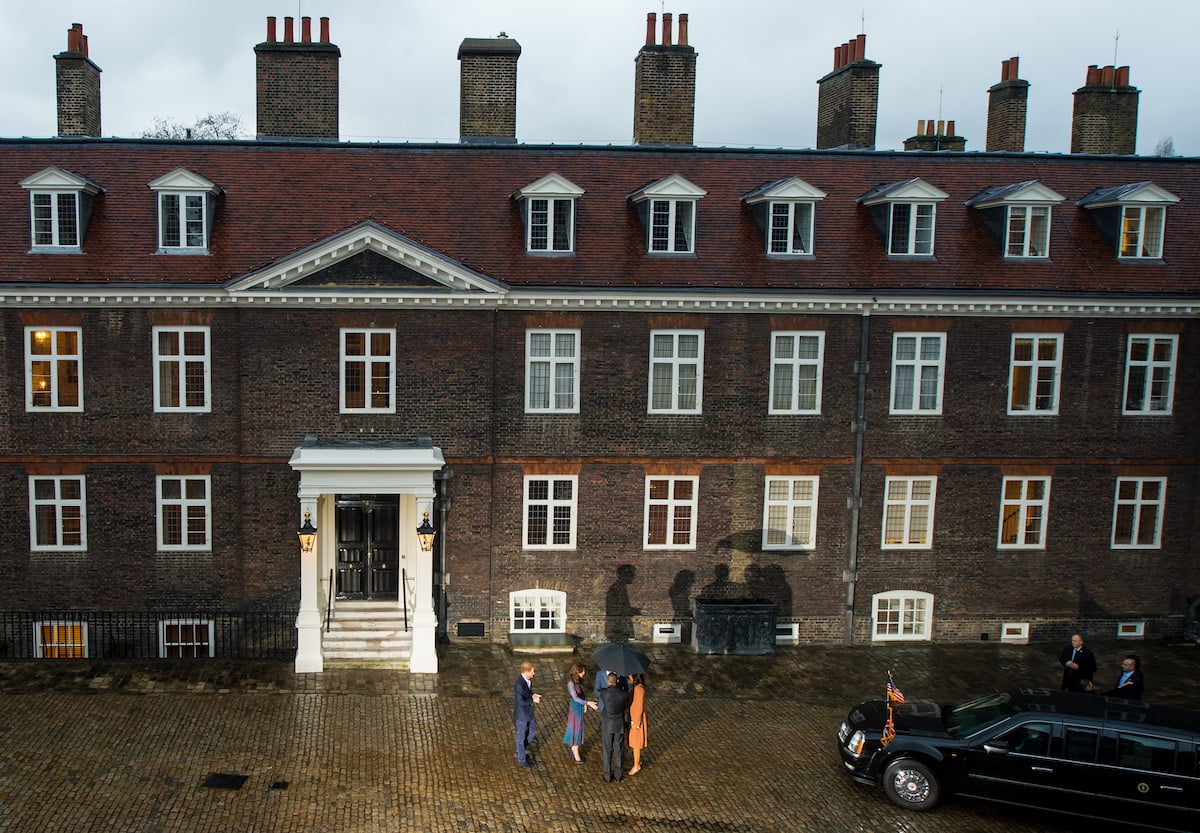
861	41
950	127
1004	76
930	127
306	29
651	25
666	41
920	126
1012	68
288	30
1108	76
837	52
683	32
324	30
270	30
1093	75
1122	76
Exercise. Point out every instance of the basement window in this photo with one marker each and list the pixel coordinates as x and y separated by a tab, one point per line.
1133	218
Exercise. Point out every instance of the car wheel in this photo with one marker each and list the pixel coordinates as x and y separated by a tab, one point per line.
911	784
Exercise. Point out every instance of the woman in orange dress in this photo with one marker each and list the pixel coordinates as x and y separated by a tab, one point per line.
638	733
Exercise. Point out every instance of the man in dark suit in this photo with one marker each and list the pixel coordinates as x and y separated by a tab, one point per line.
614	705
1132	683
1079	665
523	701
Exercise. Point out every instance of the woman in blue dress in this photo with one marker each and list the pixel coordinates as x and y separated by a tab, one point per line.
573	736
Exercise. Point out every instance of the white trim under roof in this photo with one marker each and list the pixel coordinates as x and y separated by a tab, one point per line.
56	179
551	185
792	189
380	469
1139	193
671	187
911	190
181	179
1032	192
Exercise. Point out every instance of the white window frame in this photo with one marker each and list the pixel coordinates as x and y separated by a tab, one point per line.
669	233
54	219
543	214
164	646
65	509
187	224
788	368
676	366
40	646
790	513
919	364
176	366
59	363
899	503
1022	227
187	507
1142	225
902	616
1036	369
555	507
681	513
794	219
537	611
1152	370
368	361
904	235
1137	504
1026	507
557	360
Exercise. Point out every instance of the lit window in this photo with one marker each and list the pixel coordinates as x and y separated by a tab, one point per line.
368	377
790	513
181	375
1034	374
1150	374
1137	512
1024	505
53	368
671	513
1142	231
918	367
901	615
1132	217
908	512
57	513
550	505
183	513
60	640
796	363
552	371
676	371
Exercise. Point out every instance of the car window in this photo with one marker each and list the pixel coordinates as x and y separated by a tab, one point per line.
1029	739
1079	744
1144	752
969	717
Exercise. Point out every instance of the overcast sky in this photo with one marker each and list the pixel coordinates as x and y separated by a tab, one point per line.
758	63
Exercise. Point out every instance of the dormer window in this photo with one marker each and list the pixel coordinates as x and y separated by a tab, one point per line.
549	209
60	204
905	213
1018	216
667	209
1132	217
185	212
784	211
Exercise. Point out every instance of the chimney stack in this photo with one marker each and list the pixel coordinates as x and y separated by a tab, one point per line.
297	83
1007	105
487	104
848	99
1105	115
664	87
78	83
936	135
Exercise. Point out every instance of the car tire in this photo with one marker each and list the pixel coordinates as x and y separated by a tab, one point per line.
911	784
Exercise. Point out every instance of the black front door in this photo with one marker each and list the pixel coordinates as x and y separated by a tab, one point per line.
368	554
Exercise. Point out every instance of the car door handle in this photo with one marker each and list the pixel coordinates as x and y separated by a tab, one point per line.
1042	768
1170	789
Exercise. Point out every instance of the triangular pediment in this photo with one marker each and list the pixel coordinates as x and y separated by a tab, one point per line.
551	185
792	189
671	187
181	179
910	190
1142	193
56	179
367	257
1032	192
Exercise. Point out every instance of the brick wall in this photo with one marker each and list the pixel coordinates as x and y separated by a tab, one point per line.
78	83
664	95
297	90
488	89
1104	119
848	106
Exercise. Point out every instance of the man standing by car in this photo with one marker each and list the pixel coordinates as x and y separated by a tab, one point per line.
1132	683
1079	665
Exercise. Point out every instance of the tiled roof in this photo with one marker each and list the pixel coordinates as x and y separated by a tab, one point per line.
277	198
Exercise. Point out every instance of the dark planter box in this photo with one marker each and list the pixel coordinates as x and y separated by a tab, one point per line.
733	626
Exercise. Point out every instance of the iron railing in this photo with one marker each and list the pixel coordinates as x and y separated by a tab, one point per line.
253	634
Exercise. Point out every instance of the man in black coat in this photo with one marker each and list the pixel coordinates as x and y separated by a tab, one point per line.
1132	683
614	704
1079	665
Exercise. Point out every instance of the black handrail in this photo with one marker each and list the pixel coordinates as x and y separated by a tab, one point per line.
404	593
329	604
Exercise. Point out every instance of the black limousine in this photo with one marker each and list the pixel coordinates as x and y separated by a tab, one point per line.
1082	755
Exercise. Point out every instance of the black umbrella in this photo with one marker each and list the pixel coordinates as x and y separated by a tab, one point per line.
620	658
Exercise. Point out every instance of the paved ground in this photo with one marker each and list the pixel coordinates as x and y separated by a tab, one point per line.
736	744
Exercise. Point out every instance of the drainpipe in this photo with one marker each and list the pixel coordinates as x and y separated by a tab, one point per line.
859	427
441	503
